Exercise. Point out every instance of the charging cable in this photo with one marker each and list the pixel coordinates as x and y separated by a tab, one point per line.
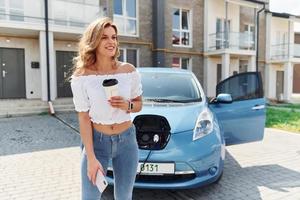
140	171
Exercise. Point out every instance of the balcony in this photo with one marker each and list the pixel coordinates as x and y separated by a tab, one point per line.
236	41
20	17
74	14
62	14
285	51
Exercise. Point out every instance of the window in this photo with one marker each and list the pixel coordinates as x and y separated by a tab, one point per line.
125	16
16	10
247	40
183	63
181	28
242	86
129	55
2	9
221	32
74	13
281	37
281	45
60	14
172	86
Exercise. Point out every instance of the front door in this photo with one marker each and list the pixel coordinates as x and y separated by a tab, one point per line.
243	120
296	79
12	77
279	84
63	70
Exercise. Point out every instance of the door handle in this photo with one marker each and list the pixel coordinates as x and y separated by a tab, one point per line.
4	73
258	107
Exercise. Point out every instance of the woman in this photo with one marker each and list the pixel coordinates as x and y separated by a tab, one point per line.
105	124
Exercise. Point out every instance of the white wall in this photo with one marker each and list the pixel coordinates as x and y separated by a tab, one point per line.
31	51
211	76
212	73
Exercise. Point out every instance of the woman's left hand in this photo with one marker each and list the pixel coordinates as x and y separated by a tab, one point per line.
119	102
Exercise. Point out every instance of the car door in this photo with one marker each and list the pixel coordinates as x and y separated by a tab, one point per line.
243	120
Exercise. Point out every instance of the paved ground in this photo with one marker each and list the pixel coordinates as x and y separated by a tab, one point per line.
39	159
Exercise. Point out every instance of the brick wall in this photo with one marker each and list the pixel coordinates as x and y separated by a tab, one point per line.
144	40
196	8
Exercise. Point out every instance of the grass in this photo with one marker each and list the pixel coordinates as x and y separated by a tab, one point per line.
289	105
283	119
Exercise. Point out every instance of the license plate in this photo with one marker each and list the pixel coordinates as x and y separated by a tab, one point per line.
156	168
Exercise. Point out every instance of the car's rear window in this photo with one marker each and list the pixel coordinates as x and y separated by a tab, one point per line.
168	86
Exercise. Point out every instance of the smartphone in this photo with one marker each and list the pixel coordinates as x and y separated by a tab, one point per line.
101	182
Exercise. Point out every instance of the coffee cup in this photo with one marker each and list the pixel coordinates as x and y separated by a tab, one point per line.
110	87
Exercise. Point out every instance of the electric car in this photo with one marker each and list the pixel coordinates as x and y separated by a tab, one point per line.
182	134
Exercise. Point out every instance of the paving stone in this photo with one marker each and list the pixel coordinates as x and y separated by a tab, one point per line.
40	159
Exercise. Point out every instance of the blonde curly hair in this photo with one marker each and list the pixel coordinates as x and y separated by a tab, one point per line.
89	42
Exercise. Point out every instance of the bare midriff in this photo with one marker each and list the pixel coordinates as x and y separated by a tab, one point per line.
112	129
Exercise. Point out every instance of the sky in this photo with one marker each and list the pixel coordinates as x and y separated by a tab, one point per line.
286	6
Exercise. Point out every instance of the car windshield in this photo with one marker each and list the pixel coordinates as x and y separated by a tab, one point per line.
169	87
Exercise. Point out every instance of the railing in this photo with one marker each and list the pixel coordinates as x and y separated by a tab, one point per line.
61	13
297	50
236	40
74	14
20	18
40	20
285	51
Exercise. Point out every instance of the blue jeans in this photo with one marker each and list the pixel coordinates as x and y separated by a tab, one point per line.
123	150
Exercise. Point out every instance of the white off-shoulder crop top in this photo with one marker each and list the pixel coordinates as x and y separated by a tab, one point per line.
89	96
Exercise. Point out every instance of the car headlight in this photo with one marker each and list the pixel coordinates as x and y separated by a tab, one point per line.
204	124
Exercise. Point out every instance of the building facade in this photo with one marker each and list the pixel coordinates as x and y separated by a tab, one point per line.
282	57
23	45
213	38
296	74
230	38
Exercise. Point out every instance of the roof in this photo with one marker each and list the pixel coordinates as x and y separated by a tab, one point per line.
256	1
282	15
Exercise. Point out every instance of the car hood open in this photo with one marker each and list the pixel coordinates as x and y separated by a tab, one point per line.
180	117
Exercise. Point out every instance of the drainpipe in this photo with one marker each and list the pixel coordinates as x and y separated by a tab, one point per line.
158	33
226	31
51	109
257	35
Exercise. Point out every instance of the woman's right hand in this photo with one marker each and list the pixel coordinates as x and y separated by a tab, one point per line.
93	165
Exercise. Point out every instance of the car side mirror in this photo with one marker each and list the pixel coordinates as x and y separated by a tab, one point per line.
223	98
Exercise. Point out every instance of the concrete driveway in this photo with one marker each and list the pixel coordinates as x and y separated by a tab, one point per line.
39	159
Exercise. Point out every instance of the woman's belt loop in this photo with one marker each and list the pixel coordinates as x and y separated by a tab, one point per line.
120	138
101	135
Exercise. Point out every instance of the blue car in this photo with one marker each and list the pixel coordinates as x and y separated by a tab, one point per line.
182	135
